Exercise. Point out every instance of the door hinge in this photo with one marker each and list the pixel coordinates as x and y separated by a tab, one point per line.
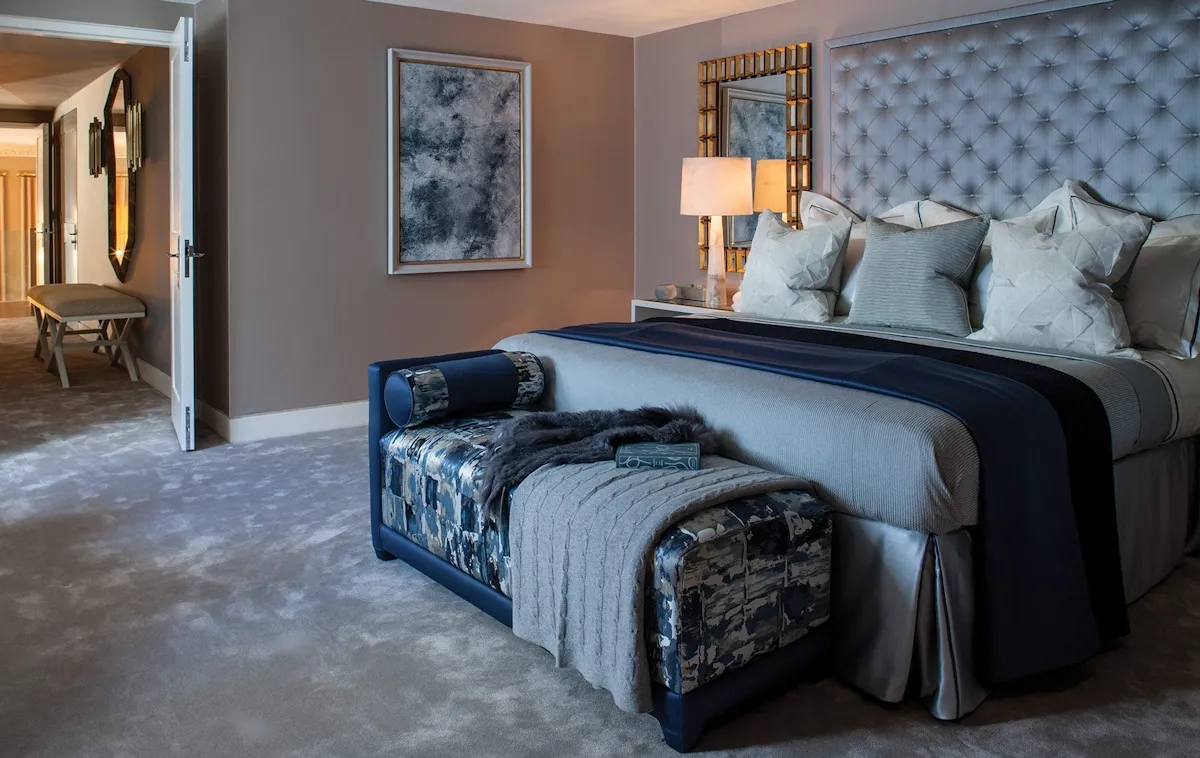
187	52
187	424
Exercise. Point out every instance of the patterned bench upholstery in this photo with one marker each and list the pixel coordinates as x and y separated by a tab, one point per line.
729	584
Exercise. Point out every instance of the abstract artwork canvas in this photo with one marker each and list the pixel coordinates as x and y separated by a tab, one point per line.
459	140
755	127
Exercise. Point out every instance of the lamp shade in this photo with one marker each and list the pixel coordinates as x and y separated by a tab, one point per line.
770	185
716	187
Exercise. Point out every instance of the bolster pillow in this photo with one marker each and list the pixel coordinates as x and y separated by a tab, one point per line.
418	395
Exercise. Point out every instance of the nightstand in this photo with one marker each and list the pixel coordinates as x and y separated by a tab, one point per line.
641	310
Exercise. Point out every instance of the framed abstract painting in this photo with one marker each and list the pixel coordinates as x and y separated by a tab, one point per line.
459	163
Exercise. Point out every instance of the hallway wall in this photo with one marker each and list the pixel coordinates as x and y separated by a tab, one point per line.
89	263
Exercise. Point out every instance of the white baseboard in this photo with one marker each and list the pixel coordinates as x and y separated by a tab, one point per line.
155	378
265	426
322	418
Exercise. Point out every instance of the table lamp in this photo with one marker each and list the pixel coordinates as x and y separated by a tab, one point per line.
716	187
770	187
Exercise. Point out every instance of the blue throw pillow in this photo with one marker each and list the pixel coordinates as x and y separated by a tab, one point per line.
415	396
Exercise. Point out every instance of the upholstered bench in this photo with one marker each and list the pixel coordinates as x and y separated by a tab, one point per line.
57	306
738	597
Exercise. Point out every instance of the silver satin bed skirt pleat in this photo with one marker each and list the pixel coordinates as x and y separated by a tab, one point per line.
903	601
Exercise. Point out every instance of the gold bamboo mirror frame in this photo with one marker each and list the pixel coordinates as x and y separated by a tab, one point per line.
794	62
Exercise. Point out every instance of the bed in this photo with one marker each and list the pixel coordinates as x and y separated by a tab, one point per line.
990	114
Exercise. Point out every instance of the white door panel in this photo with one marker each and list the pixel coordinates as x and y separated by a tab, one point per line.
182	252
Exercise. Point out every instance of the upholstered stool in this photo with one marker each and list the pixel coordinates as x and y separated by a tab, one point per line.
56	306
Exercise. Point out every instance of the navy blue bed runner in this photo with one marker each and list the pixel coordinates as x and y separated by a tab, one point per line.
1048	570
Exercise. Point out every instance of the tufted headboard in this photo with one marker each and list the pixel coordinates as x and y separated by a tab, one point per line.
993	112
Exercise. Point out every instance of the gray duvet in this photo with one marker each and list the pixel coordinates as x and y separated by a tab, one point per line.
872	456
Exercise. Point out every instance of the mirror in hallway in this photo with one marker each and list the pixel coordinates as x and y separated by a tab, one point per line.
120	134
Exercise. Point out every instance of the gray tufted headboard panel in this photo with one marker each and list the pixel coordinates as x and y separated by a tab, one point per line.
994	112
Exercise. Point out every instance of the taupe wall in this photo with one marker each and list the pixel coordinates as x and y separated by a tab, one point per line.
148	277
148	14
666	104
311	303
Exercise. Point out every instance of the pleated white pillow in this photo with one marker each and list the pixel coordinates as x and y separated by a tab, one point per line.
1054	291
793	274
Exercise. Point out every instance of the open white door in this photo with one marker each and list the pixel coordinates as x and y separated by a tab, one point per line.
41	232
182	252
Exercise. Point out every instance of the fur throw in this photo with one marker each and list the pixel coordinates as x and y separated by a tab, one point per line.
524	444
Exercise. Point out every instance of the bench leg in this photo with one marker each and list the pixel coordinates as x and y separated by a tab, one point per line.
103	326
55	356
40	341
124	349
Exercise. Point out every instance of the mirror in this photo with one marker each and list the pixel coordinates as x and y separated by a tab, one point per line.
753	125
122	179
758	106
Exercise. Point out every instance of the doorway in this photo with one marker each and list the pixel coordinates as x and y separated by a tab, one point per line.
20	209
110	92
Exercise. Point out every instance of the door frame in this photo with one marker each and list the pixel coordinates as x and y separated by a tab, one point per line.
131	35
52	27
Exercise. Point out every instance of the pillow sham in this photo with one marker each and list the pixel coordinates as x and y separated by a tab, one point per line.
1162	300
1054	291
816	210
1060	199
917	278
790	273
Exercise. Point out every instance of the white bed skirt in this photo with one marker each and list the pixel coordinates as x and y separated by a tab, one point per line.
903	601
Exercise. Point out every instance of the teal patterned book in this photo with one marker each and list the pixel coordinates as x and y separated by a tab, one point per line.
680	456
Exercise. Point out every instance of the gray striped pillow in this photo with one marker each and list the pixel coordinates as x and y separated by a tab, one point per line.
918	278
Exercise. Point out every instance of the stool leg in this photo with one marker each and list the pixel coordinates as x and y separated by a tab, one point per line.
124	350
59	330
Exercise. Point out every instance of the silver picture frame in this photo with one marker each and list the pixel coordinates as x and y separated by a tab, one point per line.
455	199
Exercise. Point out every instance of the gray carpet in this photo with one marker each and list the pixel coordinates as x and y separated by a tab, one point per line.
227	602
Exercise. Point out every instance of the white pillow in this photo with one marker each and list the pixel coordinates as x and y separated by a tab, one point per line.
790	273
1055	291
1162	299
1043	221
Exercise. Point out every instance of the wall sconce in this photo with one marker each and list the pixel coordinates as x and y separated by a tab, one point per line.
95	148
135	149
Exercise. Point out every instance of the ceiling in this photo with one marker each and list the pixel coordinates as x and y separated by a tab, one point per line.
628	18
41	72
18	142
